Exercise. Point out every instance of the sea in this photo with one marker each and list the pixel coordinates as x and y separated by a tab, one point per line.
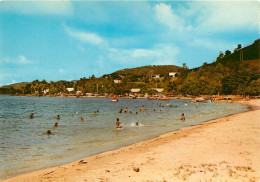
25	145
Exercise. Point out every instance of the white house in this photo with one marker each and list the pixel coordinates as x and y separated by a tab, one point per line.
135	90
70	89
172	74
45	91
159	90
118	81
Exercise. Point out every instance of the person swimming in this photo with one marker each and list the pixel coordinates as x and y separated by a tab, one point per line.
120	111
143	108
130	112
31	116
49	132
95	113
136	112
58	117
126	110
118	124
82	119
186	104
56	124
182	117
136	124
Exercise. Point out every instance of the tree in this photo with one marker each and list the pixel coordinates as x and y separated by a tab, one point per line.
227	53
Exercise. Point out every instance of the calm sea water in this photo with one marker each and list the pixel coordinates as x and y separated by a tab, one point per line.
26	147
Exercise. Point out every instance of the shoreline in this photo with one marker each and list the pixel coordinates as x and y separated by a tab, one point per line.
146	160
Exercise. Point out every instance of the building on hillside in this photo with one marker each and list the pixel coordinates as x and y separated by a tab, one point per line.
159	90
156	76
45	91
172	74
135	90
70	89
118	81
79	93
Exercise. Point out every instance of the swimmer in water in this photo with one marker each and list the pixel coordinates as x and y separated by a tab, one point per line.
49	132
56	124
118	123
130	112
94	113
58	117
136	112
136	124
126	110
154	110
160	111
186	104
120	111
82	119
31	116
143	108
182	117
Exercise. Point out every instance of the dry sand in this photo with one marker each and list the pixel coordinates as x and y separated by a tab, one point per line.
226	149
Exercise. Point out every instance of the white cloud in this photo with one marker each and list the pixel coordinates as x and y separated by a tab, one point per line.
165	15
219	16
50	7
160	54
85	37
21	60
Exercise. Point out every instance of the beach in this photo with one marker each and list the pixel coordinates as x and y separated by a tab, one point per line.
222	149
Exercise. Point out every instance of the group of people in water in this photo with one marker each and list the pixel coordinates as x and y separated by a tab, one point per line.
56	123
118	124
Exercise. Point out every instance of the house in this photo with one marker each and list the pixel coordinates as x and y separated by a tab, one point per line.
135	90
172	74
45	91
70	89
156	76
159	90
79	93
118	81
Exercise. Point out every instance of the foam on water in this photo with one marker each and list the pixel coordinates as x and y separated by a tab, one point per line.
26	146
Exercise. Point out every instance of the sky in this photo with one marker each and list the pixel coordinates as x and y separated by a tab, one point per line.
69	40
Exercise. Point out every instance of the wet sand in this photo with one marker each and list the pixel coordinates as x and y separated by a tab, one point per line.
223	149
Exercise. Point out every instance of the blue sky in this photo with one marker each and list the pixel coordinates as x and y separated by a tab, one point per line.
68	40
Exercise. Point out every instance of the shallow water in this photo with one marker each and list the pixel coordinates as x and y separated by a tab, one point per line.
26	147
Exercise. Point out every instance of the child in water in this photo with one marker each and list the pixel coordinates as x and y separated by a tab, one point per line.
182	117
58	117
31	116
118	123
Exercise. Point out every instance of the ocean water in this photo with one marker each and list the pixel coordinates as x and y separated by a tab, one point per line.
25	145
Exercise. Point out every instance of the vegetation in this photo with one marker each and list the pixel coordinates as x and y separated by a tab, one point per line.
231	73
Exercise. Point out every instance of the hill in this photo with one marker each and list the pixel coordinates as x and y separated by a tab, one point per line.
144	71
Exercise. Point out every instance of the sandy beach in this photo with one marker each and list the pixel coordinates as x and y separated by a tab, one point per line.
225	149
